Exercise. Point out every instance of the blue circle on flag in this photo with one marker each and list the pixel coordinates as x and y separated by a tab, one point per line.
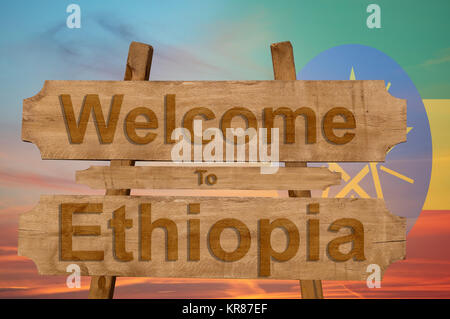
403	179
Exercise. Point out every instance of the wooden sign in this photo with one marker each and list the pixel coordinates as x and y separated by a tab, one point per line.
205	237
285	238
245	178
324	121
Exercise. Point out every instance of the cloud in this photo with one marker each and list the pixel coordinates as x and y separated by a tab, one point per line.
28	179
8	290
123	31
434	224
443	56
98	50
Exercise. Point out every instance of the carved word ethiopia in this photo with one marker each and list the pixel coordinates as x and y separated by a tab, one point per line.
211	237
119	224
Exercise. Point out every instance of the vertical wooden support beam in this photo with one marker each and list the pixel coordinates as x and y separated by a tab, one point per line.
284	69
137	69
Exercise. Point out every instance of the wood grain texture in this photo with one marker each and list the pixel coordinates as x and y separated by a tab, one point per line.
39	236
102	287
380	118
283	61
284	69
138	67
244	178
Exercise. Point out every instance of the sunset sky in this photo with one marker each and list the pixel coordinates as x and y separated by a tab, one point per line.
213	40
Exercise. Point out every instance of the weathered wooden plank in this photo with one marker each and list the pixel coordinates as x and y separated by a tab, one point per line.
284	69
245	178
138	67
346	120
122	236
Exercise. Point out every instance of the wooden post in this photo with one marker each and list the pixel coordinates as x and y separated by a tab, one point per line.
137	69
284	69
